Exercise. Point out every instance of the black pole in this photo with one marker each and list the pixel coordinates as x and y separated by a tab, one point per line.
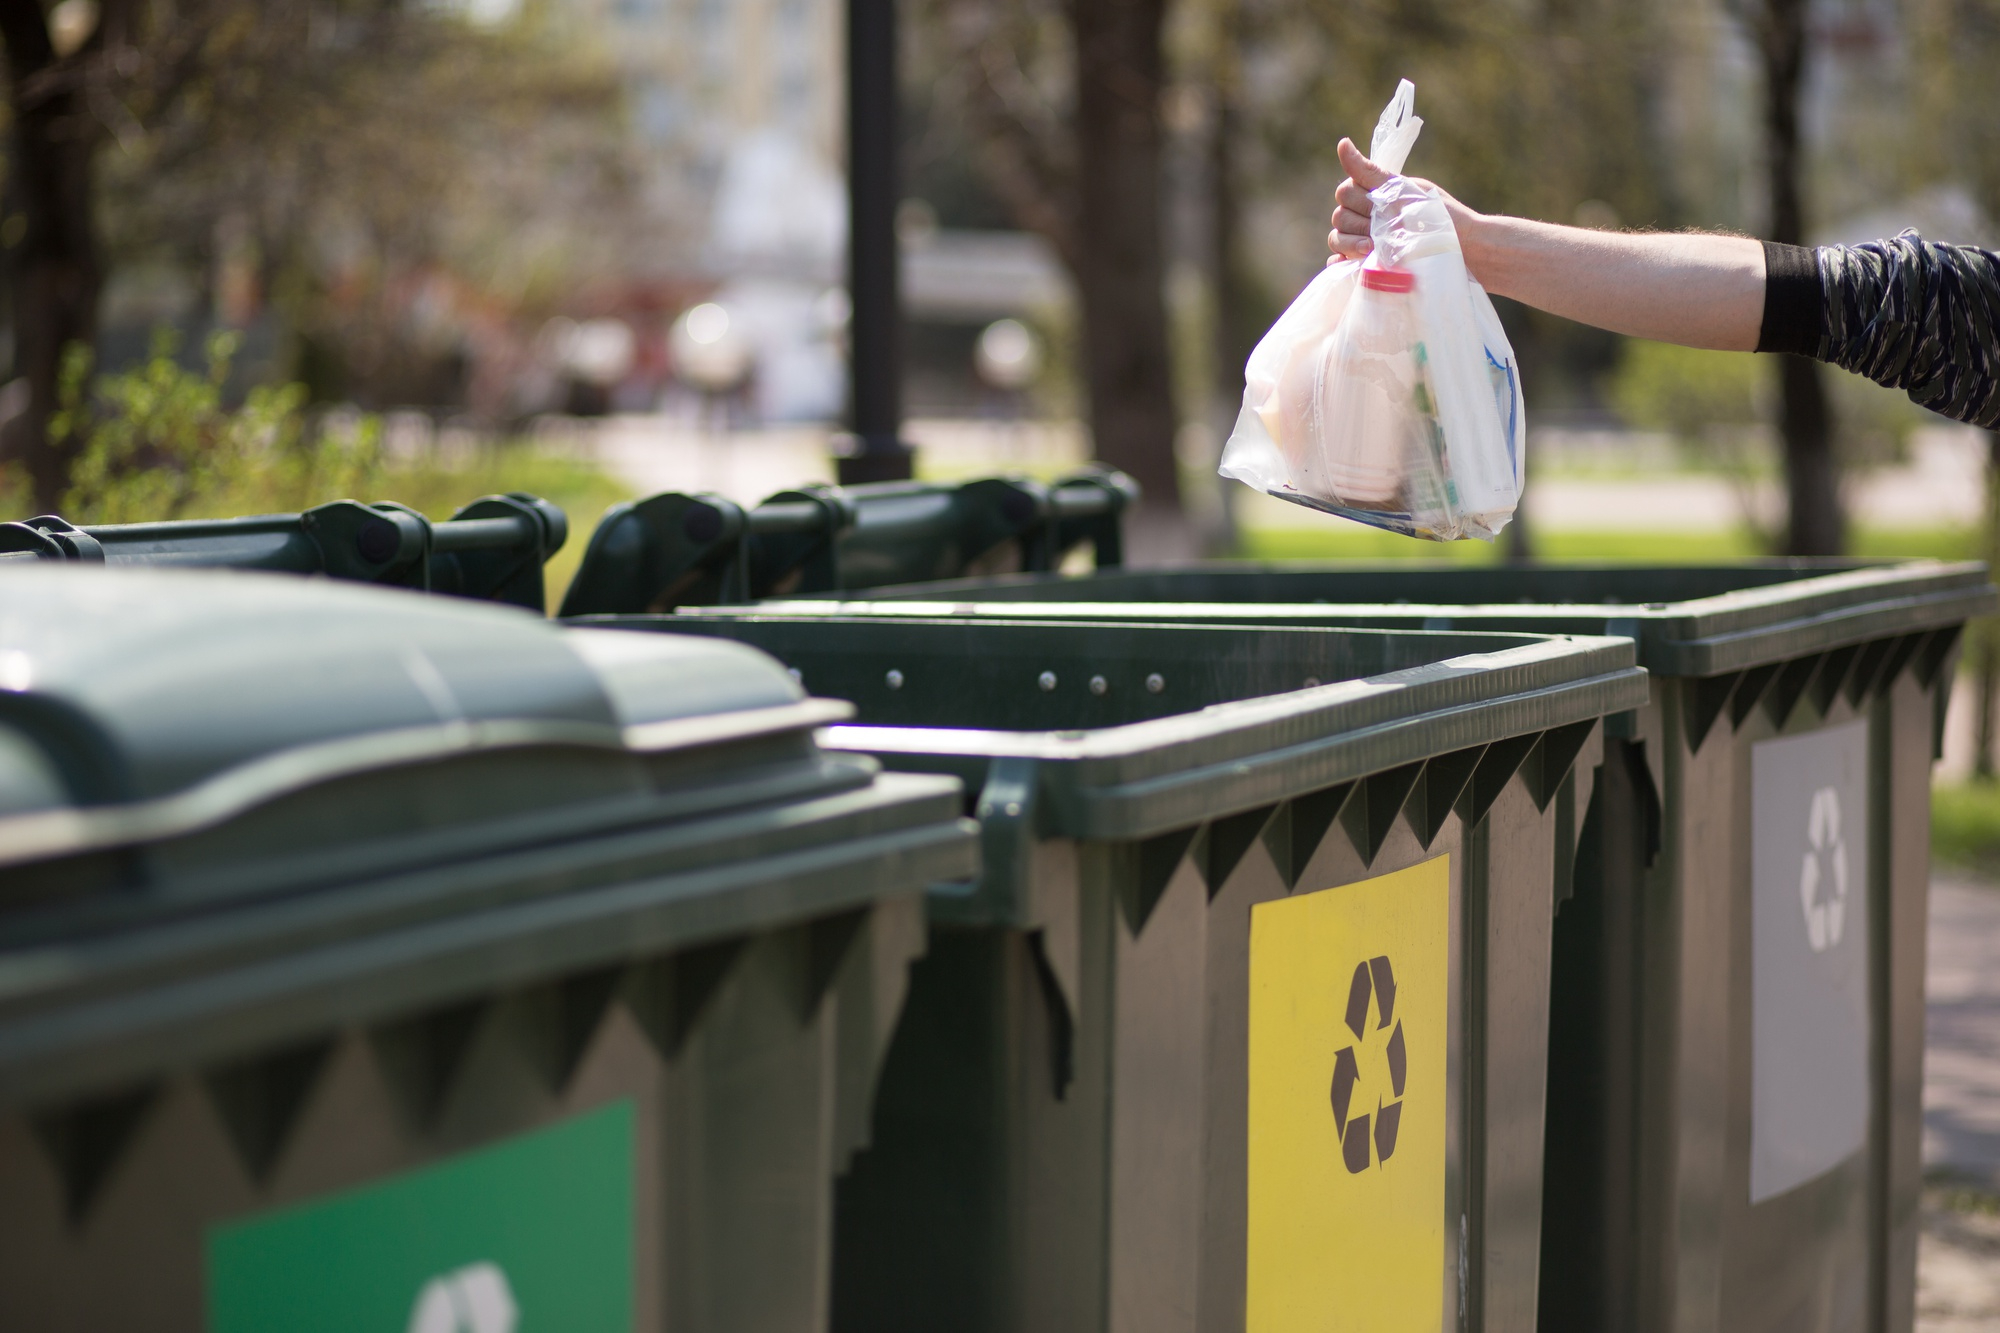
877	452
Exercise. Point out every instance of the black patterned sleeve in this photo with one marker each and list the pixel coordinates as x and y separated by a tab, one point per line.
1910	314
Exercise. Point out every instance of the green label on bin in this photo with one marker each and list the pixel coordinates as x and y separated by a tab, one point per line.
532	1233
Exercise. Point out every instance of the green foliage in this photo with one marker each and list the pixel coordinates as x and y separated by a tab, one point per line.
1536	110
158	442
1872	424
1709	401
1965	826
1703	399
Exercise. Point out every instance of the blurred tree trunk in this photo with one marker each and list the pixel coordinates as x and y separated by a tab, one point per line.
1120	72
1238	311
56	269
1817	526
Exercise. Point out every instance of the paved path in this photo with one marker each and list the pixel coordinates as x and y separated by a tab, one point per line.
1958	1266
1962	1056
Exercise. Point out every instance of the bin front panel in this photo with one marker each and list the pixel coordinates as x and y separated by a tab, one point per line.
536	1229
1809	1026
666	1134
986	1200
1353	1219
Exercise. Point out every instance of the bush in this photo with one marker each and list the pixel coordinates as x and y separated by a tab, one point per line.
1706	400
1712	403
157	442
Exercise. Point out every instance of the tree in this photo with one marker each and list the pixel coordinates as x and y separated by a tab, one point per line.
347	145
1812	479
55	266
1120	269
1063	106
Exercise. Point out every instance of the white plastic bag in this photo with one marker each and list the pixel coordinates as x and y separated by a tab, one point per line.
1387	392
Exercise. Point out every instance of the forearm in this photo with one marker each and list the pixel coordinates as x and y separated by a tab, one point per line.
1699	291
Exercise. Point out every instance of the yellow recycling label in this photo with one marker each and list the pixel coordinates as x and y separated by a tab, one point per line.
1349	1000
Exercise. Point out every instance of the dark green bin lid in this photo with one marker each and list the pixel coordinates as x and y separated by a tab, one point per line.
235	808
1694	620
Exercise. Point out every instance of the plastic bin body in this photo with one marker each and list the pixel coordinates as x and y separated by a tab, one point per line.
1063	1137
362	947
1658	1214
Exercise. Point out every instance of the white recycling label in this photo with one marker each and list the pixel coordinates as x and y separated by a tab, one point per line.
473	1299
1809	955
1823	872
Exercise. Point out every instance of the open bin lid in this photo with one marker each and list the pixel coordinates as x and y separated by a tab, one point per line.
235	807
1693	620
1130	731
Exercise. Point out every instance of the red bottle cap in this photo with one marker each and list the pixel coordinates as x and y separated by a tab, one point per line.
1387	280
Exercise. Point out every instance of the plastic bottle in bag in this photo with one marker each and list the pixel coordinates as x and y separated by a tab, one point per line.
1387	392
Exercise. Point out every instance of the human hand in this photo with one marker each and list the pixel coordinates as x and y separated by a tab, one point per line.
1349	238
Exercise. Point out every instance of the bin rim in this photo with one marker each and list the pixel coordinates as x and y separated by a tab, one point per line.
1136	779
1705	636
99	1013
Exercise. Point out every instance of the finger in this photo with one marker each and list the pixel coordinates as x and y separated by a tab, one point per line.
1364	172
1346	245
1353	197
1347	220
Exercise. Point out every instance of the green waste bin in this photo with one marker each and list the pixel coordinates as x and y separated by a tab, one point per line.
1735	1090
1244	1021
380	961
492	549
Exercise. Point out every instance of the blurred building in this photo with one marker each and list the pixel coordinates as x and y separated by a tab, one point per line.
739	131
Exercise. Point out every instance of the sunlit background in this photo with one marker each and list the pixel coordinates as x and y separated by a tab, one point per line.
260	254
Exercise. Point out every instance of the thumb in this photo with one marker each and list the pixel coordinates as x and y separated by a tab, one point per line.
1365	173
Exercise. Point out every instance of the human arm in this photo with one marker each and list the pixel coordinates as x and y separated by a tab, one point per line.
1699	291
1907	313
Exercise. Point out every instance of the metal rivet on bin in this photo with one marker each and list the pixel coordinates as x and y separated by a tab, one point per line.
1155	683
1047	680
1099	684
894	680
1013	809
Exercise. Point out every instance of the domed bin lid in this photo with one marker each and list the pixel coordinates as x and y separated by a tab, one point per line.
202	769
121	686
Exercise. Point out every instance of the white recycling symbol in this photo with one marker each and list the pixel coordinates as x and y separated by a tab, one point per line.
1823	874
473	1299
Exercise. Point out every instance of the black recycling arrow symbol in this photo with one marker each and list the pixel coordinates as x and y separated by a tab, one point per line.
1385	989
1359	1133
1346	1073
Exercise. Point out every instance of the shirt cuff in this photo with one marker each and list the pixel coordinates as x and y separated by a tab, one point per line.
1793	303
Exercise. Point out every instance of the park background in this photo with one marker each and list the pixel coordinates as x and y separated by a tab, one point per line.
260	254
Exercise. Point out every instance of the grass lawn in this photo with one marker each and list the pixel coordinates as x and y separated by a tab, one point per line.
580	490
1965	827
1350	541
